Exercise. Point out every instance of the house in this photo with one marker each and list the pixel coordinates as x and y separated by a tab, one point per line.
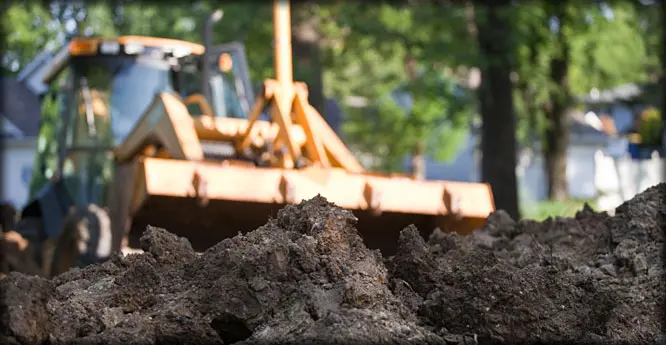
598	164
585	141
618	176
618	103
20	113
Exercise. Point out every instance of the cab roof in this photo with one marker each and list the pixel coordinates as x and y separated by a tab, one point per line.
89	45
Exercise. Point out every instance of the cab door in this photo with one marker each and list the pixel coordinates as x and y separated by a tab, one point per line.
229	66
228	63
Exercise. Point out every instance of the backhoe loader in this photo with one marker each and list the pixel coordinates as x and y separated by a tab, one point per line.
168	133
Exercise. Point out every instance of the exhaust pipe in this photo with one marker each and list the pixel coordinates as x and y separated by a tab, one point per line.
215	17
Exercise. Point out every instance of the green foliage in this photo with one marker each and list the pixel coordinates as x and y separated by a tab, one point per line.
364	48
46	158
604	52
431	113
609	52
650	127
99	20
533	62
540	211
28	29
546	209
440	113
371	63
250	23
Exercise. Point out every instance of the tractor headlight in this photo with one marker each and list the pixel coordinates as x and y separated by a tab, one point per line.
132	48
109	48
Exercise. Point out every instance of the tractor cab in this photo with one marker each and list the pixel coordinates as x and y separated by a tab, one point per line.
108	85
221	77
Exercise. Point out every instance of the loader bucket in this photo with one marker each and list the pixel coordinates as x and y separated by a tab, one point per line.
226	199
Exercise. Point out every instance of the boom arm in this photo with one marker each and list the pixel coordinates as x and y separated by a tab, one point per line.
289	104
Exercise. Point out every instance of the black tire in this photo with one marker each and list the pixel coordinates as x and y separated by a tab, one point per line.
14	257
85	239
32	229
7	216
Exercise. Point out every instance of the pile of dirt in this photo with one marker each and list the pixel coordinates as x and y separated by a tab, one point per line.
307	278
592	278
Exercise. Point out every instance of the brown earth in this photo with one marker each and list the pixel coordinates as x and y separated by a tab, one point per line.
307	278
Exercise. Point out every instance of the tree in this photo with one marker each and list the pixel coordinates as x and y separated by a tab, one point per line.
565	50
531	92
496	46
306	48
29	28
400	66
557	133
652	29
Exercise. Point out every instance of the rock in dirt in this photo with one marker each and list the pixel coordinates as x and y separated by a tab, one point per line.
307	278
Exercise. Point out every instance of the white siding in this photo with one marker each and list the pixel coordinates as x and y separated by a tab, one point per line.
591	173
18	156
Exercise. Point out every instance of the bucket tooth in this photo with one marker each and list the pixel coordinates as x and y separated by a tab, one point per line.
452	203
373	198
287	190
199	185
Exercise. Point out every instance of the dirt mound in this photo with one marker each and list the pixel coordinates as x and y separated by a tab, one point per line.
307	278
589	278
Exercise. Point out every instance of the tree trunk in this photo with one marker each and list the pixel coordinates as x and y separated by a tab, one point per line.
555	152
529	95
557	132
307	55
495	95
419	161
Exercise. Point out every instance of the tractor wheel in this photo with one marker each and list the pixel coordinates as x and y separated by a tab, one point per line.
7	216
32	230
16	255
85	239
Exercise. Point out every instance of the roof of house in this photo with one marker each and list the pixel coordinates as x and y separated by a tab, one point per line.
583	132
20	106
630	92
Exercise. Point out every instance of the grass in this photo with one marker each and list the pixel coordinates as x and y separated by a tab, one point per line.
544	209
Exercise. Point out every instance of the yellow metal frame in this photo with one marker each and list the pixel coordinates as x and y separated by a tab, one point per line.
289	106
163	161
330	168
88	46
173	177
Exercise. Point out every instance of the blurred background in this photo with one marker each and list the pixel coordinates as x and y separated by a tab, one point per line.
555	104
